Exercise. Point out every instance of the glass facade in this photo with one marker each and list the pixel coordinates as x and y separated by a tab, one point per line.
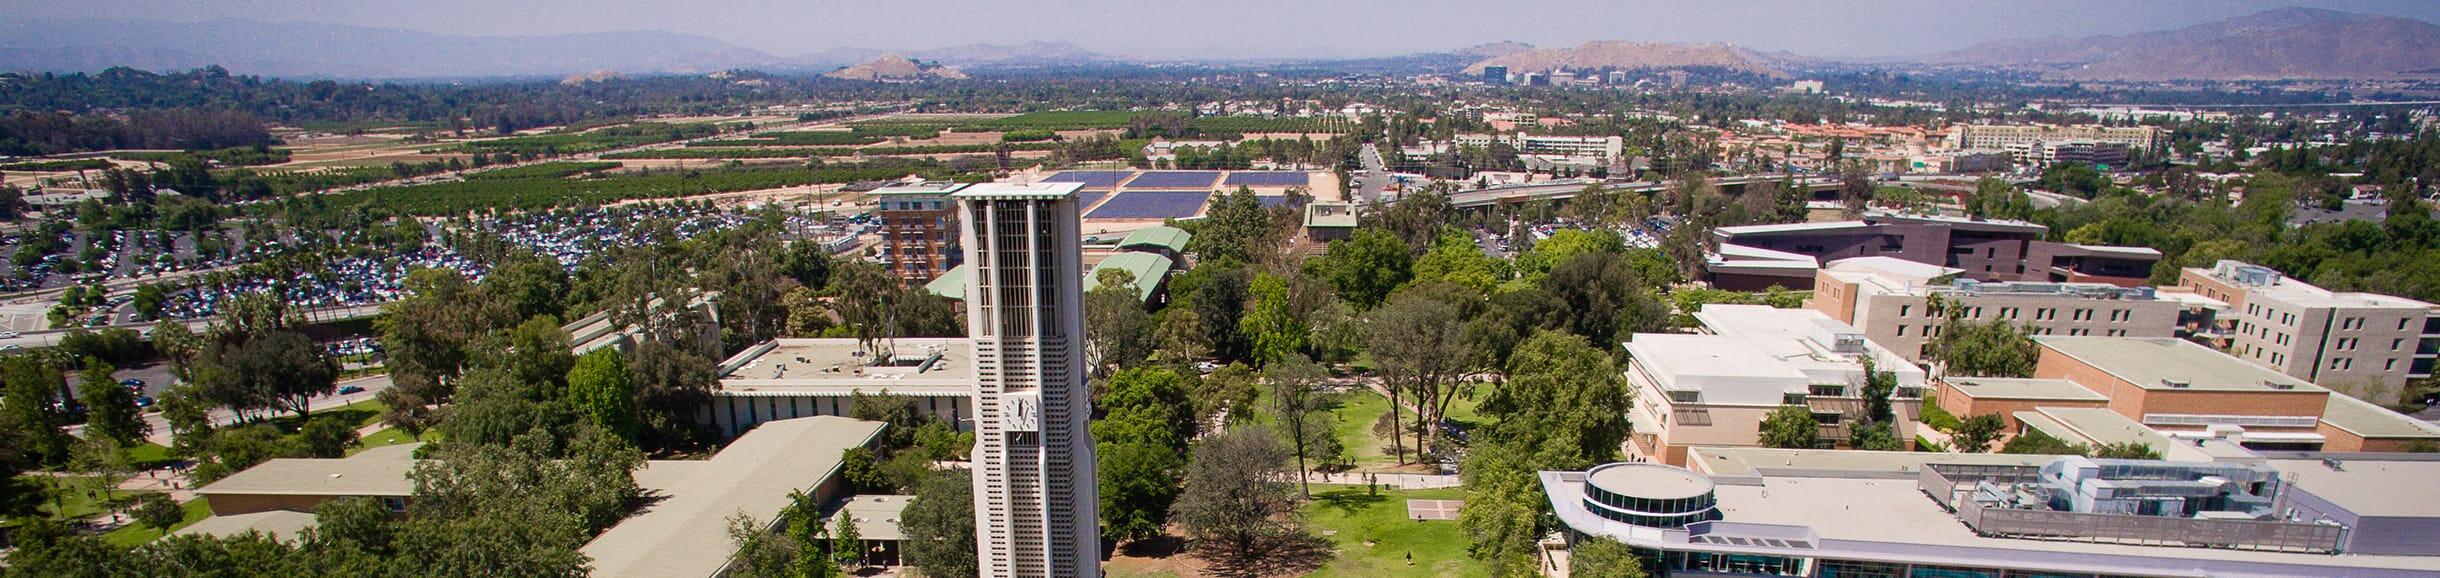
1647	512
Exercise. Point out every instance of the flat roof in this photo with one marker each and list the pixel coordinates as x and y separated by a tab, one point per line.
376	472
1330	215
1678	355
2362	418
2146	361
2368	487
1822	227
1890	518
1648	481
282	525
919	188
876	515
840	366
1893	267
1753	461
686	532
2091	425
2019	388
1019	191
1148	268
2289	290
1163	236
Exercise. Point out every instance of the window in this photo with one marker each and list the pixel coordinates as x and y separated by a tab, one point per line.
2397	344
1901	330
1792	399
394	503
1686	396
1903	309
2390	365
1827	390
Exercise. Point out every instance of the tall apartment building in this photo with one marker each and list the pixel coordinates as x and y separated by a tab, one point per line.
918	230
2362	344
1715	389
2080	152
1495	75
1753	257
1600	147
1892	302
1994	136
1036	504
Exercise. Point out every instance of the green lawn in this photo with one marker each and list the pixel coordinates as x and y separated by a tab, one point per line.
1438	547
386	437
149	455
72	500
138	534
1356	414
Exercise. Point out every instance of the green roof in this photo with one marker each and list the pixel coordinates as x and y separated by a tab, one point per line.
1147	268
1171	238
950	284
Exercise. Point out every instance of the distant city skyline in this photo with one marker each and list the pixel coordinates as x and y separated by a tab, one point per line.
1252	29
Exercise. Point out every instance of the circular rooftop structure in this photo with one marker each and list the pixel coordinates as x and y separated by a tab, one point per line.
1651	495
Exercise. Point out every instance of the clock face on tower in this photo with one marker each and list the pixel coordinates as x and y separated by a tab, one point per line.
1021	411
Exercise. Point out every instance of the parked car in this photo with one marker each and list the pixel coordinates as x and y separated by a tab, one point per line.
350	390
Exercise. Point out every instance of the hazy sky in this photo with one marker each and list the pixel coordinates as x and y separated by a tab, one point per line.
1250	28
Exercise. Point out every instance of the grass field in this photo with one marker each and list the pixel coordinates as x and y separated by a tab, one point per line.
79	497
386	437
136	534
1349	517
1358	410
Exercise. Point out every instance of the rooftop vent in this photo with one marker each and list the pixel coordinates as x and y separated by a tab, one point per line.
2273	384
2175	383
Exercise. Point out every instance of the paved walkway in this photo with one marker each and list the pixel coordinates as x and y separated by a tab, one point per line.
1388	480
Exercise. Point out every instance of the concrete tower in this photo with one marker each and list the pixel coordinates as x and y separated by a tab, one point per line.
1036	509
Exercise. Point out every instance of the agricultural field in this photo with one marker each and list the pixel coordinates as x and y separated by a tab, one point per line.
564	142
547	188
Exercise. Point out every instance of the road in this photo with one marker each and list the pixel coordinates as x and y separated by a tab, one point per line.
372	385
1374	180
50	337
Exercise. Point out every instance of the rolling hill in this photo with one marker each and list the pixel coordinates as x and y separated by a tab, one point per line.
2278	44
1622	55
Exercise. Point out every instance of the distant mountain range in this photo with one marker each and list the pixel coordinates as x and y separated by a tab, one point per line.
2275	44
303	49
2283	43
1620	55
895	68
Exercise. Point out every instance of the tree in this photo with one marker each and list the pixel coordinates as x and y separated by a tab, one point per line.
671	384
1238	505
2034	442
1790	426
1301	411
1418	345
1562	408
1600	297
1118	332
1877	388
1236	229
427	334
1139	484
1984	349
31	404
327	438
1875	436
939	526
528	286
106	461
110	410
1596	557
1364	268
600	390
1455	259
279	369
1975	434
846	546
2126	451
157	510
1274	329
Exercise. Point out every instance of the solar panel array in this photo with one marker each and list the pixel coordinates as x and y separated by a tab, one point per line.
1268	179
1174	180
1085	199
1091	179
1151	205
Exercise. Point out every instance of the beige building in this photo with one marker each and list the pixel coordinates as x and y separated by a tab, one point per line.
1991	136
2361	344
1714	389
1892	301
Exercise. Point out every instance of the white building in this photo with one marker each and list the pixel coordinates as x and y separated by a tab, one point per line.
1714	389
1599	147
1892	301
1036	502
2363	344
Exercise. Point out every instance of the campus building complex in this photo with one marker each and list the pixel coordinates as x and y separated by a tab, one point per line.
1716	388
1036	504
1988	136
1904	305
2364	344
1598	147
1754	257
2161	392
1916	514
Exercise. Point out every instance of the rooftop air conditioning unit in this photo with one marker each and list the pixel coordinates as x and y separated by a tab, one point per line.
2175	383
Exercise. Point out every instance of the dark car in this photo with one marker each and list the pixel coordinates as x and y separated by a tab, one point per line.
352	389
132	382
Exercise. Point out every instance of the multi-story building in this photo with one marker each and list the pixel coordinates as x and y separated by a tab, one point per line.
1904	305
918	230
1942	515
1990	136
1036	503
1495	75
2151	390
2364	344
1598	147
1715	389
2081	152
1986	250
792	378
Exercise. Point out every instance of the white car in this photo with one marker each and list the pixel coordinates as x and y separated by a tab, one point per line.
9	334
